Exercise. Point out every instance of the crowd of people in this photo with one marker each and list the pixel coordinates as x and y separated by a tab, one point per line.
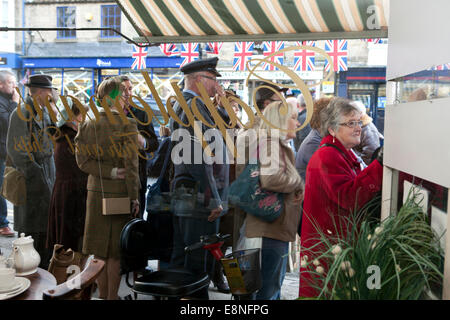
73	165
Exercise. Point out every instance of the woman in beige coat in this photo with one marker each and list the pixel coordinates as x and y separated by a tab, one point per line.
105	152
278	174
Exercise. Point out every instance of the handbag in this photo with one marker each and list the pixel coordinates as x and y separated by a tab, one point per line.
157	201
61	260
14	186
111	206
246	193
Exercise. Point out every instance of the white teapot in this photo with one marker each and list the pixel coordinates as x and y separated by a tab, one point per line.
26	258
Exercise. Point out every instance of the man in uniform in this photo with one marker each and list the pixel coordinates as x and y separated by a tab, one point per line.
207	182
32	153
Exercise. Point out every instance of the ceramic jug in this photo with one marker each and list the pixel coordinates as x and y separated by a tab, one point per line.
26	258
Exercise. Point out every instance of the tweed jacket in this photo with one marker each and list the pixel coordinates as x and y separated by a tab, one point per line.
114	142
115	150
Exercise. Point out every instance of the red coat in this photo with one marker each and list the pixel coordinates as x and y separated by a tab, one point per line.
334	186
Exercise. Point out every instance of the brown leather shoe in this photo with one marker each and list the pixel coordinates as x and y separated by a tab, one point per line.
7	232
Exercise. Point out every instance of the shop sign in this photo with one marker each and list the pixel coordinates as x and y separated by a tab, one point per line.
3	60
102	63
109	72
328	87
381	102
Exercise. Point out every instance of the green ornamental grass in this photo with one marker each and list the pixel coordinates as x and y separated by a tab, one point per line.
397	259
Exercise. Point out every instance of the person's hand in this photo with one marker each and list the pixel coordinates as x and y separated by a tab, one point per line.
120	173
215	213
298	197
134	208
141	141
380	156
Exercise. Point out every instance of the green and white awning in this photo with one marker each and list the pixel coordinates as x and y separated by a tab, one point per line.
256	20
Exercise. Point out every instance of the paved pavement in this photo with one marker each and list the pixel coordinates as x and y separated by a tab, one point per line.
289	290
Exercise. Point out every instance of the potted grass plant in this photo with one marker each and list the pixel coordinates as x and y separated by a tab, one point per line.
399	258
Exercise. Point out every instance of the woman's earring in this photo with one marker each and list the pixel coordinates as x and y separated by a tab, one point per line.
333	140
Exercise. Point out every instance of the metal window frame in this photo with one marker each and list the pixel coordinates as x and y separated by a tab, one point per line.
108	33
63	34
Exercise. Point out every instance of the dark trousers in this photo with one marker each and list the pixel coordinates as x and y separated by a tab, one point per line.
3	206
187	231
142	197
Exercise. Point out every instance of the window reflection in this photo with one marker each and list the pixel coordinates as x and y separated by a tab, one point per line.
433	83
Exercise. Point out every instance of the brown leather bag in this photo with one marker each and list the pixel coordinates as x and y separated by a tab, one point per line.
14	188
62	259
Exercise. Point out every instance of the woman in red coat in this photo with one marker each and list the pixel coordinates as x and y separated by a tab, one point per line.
335	184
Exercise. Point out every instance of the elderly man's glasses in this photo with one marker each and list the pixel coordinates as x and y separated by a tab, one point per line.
352	124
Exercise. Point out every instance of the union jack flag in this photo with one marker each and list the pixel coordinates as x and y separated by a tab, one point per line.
213	47
189	51
376	40
271	47
304	59
169	49
445	66
139	55
337	49
242	53
26	77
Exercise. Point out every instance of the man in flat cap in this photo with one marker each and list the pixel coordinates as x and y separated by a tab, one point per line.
208	181
31	151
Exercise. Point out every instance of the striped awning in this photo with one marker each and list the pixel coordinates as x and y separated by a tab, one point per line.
256	20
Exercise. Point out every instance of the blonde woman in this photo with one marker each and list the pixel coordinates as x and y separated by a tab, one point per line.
278	174
111	175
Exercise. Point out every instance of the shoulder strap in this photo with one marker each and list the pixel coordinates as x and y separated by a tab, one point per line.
282	153
331	145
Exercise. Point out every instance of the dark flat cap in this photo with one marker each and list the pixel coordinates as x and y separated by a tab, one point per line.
266	93
40	81
202	65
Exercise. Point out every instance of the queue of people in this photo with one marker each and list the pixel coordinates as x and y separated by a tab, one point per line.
68	183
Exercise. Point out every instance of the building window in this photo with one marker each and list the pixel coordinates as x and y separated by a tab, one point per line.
110	19
66	19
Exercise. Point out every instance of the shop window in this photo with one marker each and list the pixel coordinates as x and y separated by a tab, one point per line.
66	19
110	19
74	82
428	84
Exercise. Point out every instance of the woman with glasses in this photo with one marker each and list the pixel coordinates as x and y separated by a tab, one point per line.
336	186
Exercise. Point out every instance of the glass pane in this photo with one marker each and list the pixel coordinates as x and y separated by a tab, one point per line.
358	85
427	84
434	195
